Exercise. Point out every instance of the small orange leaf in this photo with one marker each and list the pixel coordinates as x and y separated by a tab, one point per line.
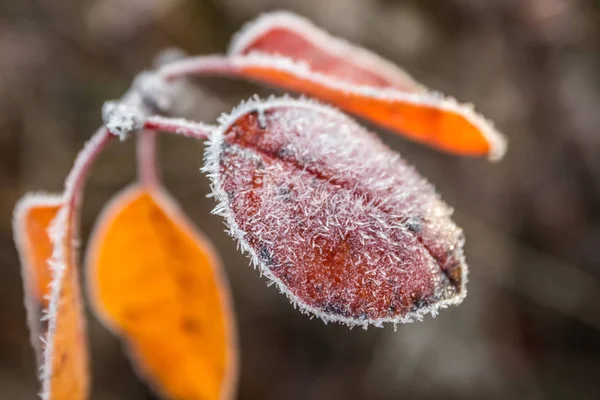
51	285
33	216
157	284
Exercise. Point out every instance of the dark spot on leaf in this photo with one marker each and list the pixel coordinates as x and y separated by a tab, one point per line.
225	147
185	281
335	308
287	278
260	165
58	367
230	195
284	192
284	152
419	301
133	315
414	225
189	325
454	274
260	117
265	256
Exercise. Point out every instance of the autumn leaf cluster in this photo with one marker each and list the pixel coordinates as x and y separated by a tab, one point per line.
341	224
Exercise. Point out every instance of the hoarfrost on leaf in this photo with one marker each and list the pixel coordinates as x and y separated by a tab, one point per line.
342	225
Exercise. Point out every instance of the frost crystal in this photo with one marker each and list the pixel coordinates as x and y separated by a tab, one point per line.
121	119
336	219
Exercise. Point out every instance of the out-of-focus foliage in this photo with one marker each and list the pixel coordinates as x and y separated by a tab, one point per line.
530	327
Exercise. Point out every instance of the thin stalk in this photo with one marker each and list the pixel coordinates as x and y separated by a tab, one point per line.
65	226
179	126
199	65
146	158
66	222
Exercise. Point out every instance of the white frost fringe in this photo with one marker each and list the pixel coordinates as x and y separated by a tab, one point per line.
320	39
431	99
58	236
23	207
57	267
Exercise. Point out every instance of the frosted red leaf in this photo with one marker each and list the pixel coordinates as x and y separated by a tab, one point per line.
343	226
287	34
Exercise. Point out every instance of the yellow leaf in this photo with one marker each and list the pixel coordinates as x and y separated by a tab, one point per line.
64	362
158	284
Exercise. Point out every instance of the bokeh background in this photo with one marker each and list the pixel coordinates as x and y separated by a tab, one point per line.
530	326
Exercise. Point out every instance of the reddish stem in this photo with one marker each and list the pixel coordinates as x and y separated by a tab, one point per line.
76	179
84	161
146	158
178	126
146	151
72	197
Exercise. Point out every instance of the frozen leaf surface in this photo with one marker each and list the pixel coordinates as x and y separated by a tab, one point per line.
337	220
158	284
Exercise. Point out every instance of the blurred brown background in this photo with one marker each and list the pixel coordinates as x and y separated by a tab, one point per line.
530	327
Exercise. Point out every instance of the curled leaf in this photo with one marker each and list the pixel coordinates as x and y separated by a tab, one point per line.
157	283
287	51
52	295
33	215
343	226
433	119
353	78
289	35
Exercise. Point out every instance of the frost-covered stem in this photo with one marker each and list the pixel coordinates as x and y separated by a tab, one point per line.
146	158
200	65
76	178
64	226
179	126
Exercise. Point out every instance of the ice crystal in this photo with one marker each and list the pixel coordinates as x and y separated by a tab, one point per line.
121	119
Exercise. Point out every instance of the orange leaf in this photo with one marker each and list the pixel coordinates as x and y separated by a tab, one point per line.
157	283
32	220
428	118
62	353
287	51
290	35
